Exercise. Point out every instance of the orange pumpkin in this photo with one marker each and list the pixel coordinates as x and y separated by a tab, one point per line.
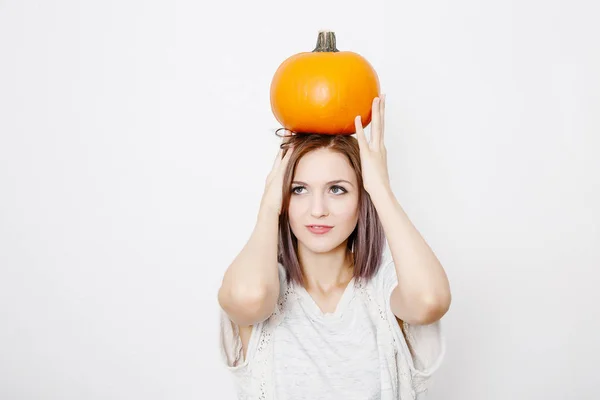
324	90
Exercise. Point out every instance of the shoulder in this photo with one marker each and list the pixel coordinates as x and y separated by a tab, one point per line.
282	274
385	279
285	290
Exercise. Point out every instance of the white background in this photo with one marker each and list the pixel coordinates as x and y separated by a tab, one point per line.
135	137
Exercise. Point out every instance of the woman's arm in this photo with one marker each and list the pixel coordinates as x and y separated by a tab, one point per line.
423	292
250	286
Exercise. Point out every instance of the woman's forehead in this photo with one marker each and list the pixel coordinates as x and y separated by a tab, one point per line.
324	165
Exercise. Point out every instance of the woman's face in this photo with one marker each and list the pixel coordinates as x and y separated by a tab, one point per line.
323	208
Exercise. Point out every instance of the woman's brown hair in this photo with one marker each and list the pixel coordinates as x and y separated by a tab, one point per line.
367	240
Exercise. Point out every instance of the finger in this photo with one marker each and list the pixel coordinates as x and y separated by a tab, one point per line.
360	133
284	138
277	160
375	124
278	157
382	117
283	165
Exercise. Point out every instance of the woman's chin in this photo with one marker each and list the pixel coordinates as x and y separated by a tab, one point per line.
320	245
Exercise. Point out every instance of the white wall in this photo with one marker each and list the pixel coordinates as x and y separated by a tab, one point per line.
134	142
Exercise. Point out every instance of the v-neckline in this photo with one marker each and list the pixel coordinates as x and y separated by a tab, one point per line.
340	307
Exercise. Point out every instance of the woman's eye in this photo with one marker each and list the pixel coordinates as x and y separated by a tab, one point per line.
297	189
338	190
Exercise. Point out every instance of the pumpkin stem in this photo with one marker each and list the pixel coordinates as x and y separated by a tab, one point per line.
326	42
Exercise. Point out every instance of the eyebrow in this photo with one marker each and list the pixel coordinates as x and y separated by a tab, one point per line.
328	183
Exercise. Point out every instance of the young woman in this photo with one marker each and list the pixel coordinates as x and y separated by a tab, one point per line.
314	307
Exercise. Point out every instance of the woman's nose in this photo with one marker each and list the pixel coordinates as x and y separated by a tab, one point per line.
318	207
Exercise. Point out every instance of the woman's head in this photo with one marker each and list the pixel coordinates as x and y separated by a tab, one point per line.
323	186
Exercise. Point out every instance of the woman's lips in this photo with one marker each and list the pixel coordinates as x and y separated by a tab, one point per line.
319	229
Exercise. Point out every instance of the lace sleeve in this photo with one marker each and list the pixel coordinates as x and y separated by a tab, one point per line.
231	343
229	336
423	345
426	346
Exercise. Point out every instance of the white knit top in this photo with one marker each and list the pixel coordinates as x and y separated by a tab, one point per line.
356	352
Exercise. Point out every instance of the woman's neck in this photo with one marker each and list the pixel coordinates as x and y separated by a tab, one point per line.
326	270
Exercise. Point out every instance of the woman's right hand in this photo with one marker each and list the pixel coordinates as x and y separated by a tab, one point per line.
272	196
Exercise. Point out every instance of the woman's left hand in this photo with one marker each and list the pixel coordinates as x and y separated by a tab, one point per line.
373	155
